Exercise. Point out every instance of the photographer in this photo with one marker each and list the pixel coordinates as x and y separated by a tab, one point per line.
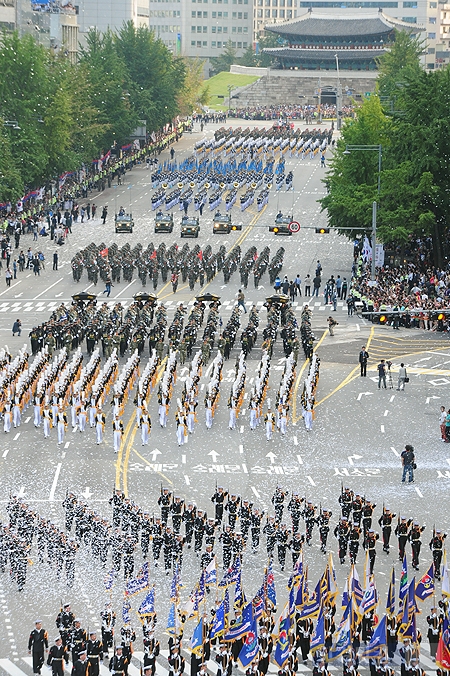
382	374
409	464
402	377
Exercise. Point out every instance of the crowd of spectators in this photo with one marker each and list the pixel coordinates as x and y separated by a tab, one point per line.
292	112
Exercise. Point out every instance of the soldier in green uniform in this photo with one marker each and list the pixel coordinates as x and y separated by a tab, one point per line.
182	351
221	345
160	349
68	341
50	342
206	351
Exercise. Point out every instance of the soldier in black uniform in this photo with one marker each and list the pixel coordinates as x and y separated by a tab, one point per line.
304	630
342	532
323	521
117	501
118	664
270	530
168	540
392	627
353	542
189	518
265	650
78	639
346	501
296	546
164	502
108	618
37	645
357	507
157	539
151	652
370	544
295	509
94	649
218	499
64	622
226	538
255	528
177	508
146	533
367	512
416	543
385	521
199	530
232	507
278	503
437	546
309	515
129	546
245	513
56	655
282	544
434	631
402	532
81	666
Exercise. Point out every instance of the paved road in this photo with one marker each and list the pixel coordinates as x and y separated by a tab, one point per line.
358	432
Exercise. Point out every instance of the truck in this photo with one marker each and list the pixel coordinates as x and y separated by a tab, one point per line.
163	222
190	226
124	222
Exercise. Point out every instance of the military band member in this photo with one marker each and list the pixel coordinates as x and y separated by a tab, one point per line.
117	433
37	646
56	655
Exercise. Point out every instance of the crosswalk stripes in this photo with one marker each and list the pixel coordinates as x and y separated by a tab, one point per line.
13	667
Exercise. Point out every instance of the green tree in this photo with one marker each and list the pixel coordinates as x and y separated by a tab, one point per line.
268	39
226	59
195	92
398	64
249	57
11	183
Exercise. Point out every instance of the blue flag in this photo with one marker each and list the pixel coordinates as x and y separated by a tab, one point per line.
147	606
281	653
250	649
109	580
341	641
271	592
140	582
232	574
243	626
126	607
403	579
425	586
390	601
318	638
196	642
218	623
378	641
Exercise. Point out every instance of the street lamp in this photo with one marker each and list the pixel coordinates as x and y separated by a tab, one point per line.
379	149
230	89
338	94
12	123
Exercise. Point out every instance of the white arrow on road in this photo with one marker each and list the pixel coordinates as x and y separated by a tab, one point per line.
214	455
271	457
423	359
230	372
87	493
57	295
224	286
21	493
261	287
18	295
357	457
155	453
432	397
361	394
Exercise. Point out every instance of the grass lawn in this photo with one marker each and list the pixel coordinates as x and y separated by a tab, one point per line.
218	85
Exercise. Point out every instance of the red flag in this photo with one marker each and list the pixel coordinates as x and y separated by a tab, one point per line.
104	252
443	649
255	257
153	256
200	255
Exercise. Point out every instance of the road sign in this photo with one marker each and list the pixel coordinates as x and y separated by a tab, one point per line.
294	226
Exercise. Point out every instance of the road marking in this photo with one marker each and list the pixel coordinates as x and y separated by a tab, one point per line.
241	449
47	289
244	467
418	492
394	451
448	460
10	287
299	460
392	399
55	482
5	453
256	493
214	455
125	288
183	459
361	394
11	668
16	436
382	429
311	481
241	430
67	444
386	413
350	458
295	442
186	478
27	420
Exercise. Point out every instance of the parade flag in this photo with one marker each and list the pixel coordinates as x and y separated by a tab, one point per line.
281	653
250	649
341	641
196	642
271	592
104	252
239	595
301	593
297	572
410	631
242	626
378	641
345	595
318	638
218	623
174	587
171	619
332	590
147	606
403	579
140	582
356	588
311	607
443	649
211	572
232	574
258	606
369	600
126	607
445	590
292	602
109	580
390	601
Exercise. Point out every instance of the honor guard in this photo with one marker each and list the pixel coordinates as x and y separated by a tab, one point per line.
367	512
189	518
270	531
218	500
309	515
56	655
323	521
296	546
61	424
416	543
164	501
353	542
342	532
402	533
117	426
278	503
295	510
99	424
78	639
108	618
346	501
94	649
65	622
118	664
176	662
151	652
385	521
177	508
37	645
370	545
232	508
255	528
146	426
434	631
269	421
437	546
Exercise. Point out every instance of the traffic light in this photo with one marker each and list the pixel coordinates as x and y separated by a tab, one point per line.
275	230
322	231
383	319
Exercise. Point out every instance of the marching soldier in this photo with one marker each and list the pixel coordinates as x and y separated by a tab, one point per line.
117	426
232	508
346	501
278	503
77	640
392	627
176	662
118	663
108	618
164	502
218	500
402	531
370	544
255	528
269	421
270	530
385	521
56	655
265	650
65	622
61	424
177	508
323	521
47	420
151	652
353	542
282	544
342	532
189	519
414	536
437	546
99	424
37	646
296	546
81	666
434	631
95	654
146	425
367	512
223	660
309	515
295	509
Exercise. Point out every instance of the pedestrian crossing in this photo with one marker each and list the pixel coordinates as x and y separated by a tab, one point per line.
24	307
23	666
